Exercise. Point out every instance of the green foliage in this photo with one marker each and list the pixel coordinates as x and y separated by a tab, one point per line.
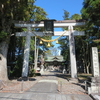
18	10
84	76
17	69
76	17
24	29
14	10
66	15
39	14
64	42
96	41
32	73
91	13
2	35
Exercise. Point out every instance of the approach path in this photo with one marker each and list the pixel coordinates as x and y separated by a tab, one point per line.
49	86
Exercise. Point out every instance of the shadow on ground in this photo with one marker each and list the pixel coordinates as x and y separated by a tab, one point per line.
26	79
64	76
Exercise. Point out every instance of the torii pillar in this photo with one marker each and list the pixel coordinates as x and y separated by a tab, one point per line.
26	53
72	53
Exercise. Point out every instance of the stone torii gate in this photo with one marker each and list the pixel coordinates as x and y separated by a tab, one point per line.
71	33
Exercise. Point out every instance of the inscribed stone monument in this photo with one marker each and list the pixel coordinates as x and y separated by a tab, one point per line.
95	62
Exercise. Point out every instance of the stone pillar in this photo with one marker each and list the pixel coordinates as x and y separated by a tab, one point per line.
72	53
26	53
95	62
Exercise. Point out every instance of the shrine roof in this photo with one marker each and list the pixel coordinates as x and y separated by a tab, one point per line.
54	58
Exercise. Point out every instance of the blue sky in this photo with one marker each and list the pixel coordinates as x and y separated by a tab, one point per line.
55	9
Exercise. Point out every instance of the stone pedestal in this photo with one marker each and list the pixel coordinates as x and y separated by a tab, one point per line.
42	69
93	85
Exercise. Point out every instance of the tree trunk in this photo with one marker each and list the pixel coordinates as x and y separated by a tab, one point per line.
84	69
84	65
3	61
87	67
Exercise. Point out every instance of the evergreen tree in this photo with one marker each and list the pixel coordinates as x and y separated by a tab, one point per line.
11	11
